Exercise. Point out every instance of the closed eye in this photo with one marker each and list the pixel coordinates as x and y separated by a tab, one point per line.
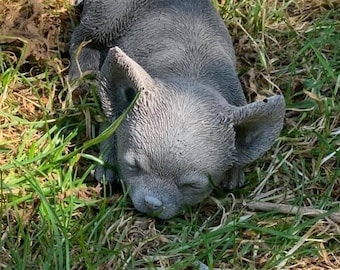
133	167
191	186
199	184
130	163
136	163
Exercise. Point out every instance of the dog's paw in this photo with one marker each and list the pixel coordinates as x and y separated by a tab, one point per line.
105	174
234	178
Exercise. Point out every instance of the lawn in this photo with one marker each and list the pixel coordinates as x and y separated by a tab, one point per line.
54	215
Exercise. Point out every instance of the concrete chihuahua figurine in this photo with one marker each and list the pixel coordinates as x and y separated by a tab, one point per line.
191	127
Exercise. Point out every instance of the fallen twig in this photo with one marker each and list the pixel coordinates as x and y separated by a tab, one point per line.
290	209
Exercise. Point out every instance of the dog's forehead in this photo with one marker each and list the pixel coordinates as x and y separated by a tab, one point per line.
183	145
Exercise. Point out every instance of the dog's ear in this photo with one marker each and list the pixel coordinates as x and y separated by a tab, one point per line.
257	126
120	80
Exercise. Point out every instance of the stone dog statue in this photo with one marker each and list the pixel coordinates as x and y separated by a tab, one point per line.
191	128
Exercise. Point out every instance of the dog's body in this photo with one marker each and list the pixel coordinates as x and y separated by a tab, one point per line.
191	126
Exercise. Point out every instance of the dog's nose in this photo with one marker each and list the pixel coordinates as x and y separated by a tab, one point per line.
153	203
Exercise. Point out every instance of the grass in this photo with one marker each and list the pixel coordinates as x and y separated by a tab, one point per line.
55	216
